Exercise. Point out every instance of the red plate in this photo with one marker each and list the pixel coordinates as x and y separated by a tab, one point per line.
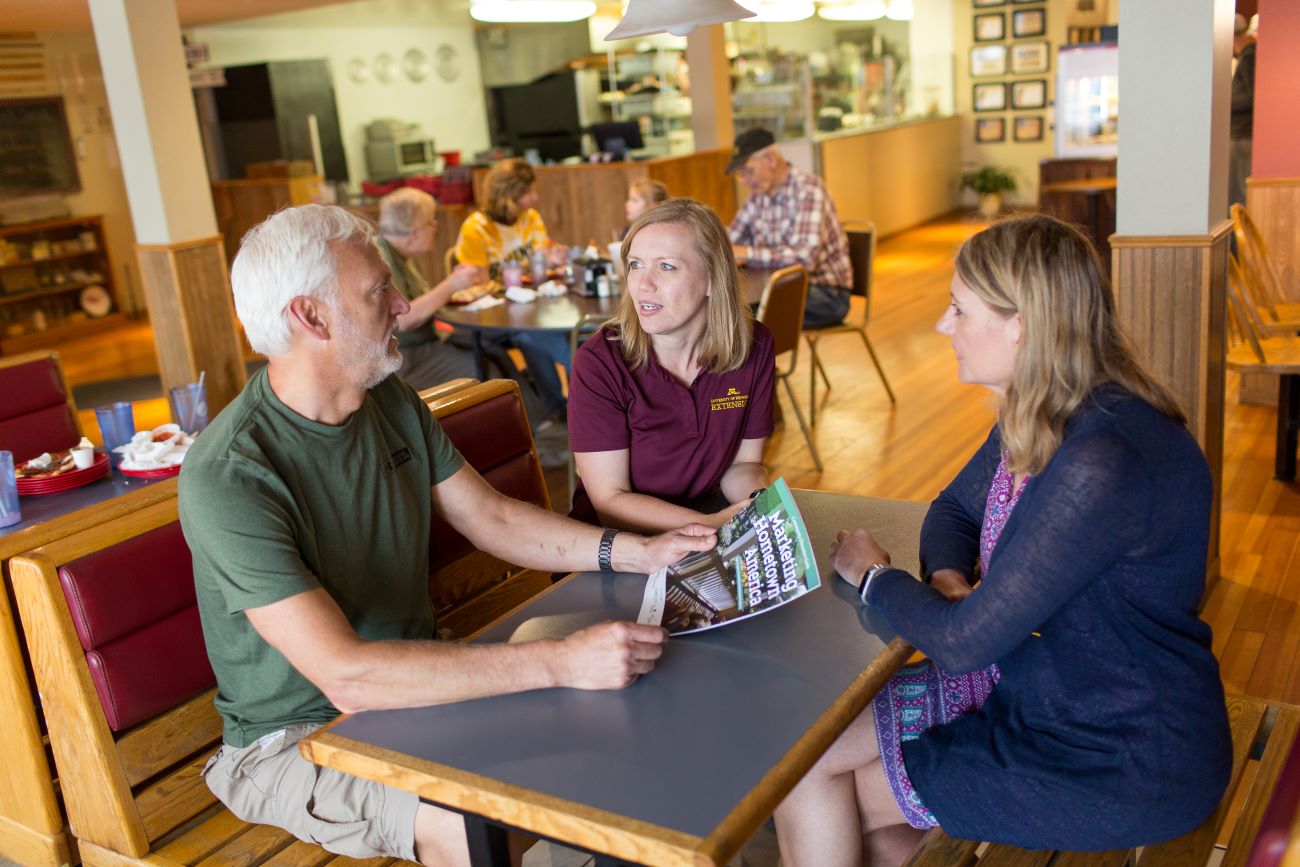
66	481
160	473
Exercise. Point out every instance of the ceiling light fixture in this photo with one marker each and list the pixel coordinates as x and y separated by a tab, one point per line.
775	11
855	10
530	11
899	10
678	17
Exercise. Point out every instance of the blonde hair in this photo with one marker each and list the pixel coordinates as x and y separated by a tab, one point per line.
1070	341
650	191
729	333
503	186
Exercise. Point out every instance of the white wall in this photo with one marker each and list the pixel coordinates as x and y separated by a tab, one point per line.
452	112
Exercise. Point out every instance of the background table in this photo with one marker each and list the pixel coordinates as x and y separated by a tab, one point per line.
682	766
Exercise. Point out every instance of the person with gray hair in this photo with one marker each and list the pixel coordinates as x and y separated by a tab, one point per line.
306	505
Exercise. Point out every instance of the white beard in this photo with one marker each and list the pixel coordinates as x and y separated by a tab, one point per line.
372	362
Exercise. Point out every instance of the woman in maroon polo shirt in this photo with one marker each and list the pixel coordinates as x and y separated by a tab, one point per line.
670	403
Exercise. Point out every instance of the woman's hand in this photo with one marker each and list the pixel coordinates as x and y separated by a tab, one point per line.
951	583
853	553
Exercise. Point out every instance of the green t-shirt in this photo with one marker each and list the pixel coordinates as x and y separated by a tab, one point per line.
273	505
410	281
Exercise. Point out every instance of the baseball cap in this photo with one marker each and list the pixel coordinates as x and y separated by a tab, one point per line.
748	143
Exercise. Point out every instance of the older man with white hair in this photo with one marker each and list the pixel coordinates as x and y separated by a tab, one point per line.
306	505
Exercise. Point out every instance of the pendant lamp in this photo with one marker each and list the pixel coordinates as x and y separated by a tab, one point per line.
530	11
854	10
678	17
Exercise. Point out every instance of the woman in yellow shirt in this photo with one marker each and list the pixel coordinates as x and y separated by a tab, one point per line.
507	228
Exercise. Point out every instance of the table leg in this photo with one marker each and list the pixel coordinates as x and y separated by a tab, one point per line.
487	843
480	368
1288	426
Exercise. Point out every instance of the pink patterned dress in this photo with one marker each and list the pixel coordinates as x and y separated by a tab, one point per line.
923	695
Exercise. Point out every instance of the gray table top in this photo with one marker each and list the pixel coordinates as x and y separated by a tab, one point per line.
563	312
687	761
39	508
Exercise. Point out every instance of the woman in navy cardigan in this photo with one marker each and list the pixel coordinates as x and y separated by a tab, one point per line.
1070	699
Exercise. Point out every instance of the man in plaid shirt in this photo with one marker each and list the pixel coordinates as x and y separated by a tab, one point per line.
791	220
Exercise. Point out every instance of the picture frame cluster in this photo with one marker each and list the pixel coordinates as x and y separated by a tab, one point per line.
992	57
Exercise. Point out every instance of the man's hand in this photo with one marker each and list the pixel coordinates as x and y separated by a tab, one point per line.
464	276
640	554
853	553
609	655
951	583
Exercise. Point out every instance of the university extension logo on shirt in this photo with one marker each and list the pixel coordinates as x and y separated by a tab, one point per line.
732	400
396	459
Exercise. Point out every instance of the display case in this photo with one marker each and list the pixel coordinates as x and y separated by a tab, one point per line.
1087	101
55	282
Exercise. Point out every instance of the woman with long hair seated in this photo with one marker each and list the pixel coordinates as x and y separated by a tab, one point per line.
670	403
508	228
1070	699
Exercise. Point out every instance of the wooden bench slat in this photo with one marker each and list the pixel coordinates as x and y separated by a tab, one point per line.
1245	715
1275	754
345	861
300	854
467	618
157	745
251	847
937	849
1114	858
1000	855
172	801
203	838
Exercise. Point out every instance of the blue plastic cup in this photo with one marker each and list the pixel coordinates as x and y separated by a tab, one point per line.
10	513
117	424
189	405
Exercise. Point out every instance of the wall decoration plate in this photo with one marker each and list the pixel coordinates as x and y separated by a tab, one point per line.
358	70
385	67
447	63
415	63
95	300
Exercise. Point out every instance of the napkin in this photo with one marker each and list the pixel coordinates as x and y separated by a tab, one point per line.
552	289
487	302
521	295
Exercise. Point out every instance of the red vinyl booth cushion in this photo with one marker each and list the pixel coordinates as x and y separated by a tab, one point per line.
494	439
134	609
34	414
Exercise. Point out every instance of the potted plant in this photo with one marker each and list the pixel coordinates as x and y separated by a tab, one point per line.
989	183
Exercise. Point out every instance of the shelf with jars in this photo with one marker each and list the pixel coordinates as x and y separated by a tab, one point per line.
56	282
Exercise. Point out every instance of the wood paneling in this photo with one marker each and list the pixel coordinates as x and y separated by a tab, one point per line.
1170	293
241	205
585	202
701	176
897	178
193	317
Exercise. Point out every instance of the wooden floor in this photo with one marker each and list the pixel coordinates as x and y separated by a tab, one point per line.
910	450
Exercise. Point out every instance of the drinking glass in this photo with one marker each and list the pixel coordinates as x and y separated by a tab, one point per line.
189	405
10	513
117	424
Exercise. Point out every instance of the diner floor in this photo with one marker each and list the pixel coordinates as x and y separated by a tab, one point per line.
911	449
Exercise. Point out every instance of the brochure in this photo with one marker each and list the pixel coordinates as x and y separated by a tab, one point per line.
763	559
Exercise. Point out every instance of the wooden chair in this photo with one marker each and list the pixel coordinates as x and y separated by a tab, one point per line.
37	413
1262	353
781	310
1263	736
130	736
862	255
1261	280
435	393
488	425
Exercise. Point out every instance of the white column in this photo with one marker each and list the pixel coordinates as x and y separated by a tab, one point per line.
154	120
706	55
1174	96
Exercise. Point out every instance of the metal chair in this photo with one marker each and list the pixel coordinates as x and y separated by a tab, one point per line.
781	310
862	254
586	326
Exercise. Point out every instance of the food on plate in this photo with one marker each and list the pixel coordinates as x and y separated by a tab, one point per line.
473	293
45	466
163	447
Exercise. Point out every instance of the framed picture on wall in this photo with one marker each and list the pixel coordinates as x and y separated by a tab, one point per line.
989	96
1028	128
988	60
1030	57
990	129
990	27
1029	94
1028	22
980	4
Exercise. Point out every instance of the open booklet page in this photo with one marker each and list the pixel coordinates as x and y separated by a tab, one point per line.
763	559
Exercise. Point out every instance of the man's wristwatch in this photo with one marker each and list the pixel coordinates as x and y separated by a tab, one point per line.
605	555
868	577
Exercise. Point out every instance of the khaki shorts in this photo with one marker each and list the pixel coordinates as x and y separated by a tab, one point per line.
270	783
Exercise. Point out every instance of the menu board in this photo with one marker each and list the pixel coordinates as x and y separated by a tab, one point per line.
35	148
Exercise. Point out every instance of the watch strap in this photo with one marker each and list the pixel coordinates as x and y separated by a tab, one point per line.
868	577
605	554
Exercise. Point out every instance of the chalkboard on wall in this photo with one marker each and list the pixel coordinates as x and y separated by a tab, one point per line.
35	148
